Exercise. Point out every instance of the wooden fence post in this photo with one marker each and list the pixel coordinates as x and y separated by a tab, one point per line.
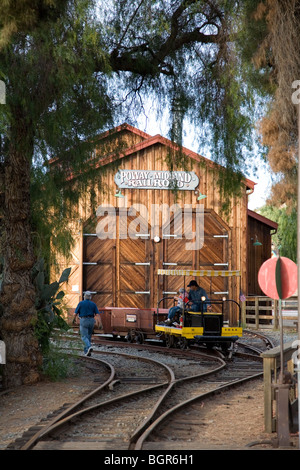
243	313
269	365
256	313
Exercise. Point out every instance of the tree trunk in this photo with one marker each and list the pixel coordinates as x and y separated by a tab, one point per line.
23	356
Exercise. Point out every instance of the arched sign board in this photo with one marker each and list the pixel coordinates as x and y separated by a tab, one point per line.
277	278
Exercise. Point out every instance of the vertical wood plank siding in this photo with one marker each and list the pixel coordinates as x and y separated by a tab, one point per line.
116	258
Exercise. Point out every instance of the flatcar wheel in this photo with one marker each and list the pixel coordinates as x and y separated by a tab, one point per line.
183	343
169	341
130	337
139	338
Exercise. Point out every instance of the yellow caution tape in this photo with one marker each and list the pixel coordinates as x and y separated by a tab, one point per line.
191	272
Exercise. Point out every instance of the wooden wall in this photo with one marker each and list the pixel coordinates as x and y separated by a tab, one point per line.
150	153
259	230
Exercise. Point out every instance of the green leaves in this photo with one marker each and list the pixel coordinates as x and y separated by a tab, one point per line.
65	275
49	291
286	237
48	304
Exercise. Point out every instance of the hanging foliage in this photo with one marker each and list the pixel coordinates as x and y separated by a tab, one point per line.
72	70
270	47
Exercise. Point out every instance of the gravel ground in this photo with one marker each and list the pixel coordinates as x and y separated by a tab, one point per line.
288	336
241	410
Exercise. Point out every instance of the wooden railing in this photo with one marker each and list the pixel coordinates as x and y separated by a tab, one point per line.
260	312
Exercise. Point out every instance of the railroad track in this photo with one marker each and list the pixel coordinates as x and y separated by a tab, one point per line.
128	409
262	341
100	397
259	342
166	425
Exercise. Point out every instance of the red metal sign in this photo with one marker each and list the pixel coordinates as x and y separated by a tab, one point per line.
277	278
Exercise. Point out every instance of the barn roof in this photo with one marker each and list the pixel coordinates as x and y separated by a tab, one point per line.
148	141
262	219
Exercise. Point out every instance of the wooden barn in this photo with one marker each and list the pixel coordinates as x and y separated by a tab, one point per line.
149	218
260	231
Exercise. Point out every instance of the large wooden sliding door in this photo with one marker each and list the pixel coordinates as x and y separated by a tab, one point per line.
98	269
213	255
118	271
122	271
134	266
175	254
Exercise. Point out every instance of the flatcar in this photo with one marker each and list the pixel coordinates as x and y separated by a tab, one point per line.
133	324
208	328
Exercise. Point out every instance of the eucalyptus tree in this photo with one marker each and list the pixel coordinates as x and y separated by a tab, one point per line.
270	48
72	70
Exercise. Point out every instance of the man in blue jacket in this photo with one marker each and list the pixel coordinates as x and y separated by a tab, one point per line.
196	296
88	314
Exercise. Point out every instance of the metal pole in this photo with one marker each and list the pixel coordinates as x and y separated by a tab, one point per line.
279	290
281	381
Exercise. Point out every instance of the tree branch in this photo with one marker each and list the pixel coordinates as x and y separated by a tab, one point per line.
143	59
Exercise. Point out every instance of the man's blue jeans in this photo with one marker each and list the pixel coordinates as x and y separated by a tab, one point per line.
86	331
197	307
173	311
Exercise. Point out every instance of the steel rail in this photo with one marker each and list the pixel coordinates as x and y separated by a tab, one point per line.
268	342
55	427
265	338
75	405
251	348
141	358
148	422
147	426
66	415
139	444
